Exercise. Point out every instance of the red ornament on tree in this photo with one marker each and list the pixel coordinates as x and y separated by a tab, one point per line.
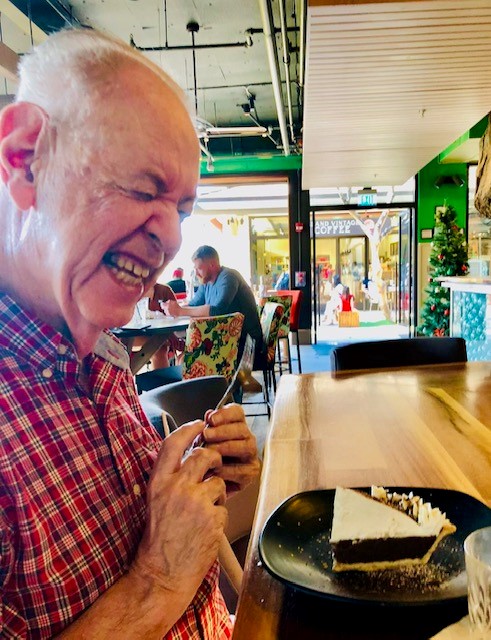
441	256
433	307
439	333
464	268
446	312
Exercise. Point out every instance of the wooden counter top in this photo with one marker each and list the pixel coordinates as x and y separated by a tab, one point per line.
427	426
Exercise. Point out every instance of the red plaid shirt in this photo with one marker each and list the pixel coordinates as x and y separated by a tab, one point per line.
76	453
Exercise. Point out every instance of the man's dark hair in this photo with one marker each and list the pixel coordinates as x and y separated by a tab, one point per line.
205	252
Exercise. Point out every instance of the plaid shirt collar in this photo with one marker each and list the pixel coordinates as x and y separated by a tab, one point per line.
41	346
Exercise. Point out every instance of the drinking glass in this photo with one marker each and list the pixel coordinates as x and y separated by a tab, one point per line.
477	549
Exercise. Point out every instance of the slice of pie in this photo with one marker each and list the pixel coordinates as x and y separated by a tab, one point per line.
384	530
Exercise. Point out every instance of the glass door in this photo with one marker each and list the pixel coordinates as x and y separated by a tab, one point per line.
347	246
405	302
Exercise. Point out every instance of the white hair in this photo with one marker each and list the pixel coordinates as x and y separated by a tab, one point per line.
73	73
58	74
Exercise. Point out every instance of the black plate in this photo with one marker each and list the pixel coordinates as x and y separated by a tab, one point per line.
294	546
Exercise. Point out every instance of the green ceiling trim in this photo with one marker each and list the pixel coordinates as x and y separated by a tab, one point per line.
251	164
476	131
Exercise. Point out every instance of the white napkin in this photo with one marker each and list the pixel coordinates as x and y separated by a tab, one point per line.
458	631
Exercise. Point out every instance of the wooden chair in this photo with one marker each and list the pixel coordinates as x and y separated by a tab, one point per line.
297	295
211	348
406	352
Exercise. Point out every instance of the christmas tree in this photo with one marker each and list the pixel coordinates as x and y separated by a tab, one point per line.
448	258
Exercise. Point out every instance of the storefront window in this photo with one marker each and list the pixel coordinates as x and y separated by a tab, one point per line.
247	222
343	246
270	253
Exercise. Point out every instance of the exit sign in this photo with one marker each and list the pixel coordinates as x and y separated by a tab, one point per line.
367	198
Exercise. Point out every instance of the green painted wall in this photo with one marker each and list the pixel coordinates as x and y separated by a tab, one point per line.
242	165
429	197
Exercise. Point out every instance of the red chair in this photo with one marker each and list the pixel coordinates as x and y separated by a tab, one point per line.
297	295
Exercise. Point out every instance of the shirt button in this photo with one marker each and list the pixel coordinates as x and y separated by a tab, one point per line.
137	489
62	349
47	373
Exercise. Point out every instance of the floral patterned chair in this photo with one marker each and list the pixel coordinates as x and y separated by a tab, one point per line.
212	346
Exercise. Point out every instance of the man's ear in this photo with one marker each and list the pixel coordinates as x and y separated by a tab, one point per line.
21	126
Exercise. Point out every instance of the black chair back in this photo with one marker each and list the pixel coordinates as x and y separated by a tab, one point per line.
405	352
185	400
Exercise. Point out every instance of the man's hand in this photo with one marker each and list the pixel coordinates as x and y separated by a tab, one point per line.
185	515
172	308
229	435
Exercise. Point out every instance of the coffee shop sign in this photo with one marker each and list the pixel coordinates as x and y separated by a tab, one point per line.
337	227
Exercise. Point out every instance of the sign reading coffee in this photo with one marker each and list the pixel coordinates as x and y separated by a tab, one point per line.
337	227
332	227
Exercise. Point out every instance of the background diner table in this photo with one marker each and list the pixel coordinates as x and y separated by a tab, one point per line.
155	330
420	427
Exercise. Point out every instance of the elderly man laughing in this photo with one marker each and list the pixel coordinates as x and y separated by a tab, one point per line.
105	530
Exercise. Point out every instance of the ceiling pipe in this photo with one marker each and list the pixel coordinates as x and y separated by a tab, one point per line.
253	31
186	47
63	12
303	41
286	64
269	38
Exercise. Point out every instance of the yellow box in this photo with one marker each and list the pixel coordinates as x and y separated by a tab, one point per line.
349	319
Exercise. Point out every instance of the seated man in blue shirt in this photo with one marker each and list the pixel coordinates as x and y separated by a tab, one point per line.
223	290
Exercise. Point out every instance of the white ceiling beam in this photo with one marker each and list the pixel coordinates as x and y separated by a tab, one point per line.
389	85
8	62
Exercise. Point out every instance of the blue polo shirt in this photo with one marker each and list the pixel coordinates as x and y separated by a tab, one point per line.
228	294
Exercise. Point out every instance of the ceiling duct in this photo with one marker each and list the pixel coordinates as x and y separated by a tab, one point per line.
269	39
286	65
215	132
207	131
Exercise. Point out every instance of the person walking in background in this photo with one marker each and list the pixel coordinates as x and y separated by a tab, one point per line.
347	300
283	281
356	275
333	305
178	284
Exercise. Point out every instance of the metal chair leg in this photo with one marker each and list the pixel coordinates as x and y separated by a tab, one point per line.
266	391
289	354
280	361
298	353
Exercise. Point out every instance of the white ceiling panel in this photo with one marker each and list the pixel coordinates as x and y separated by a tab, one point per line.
389	85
